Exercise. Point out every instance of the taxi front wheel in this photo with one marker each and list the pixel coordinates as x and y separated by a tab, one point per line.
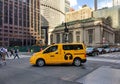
77	62
40	62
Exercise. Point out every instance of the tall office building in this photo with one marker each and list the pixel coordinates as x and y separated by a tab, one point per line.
95	4
98	4
19	22
108	12
67	6
52	14
116	2
27	22
34	21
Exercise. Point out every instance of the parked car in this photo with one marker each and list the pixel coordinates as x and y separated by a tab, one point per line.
101	50
107	50
113	49
92	51
117	49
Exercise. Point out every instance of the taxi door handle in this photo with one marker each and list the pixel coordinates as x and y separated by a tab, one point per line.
52	56
56	53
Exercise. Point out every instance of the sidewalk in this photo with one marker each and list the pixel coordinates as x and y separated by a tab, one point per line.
21	55
102	75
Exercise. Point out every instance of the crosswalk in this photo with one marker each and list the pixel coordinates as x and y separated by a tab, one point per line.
104	60
109	57
115	55
21	56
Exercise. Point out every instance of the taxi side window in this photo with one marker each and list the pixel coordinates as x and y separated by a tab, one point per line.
78	47
72	47
51	49
67	47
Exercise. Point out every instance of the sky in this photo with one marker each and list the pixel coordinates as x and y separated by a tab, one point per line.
77	4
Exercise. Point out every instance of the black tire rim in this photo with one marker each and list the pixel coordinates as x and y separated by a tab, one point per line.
77	62
40	63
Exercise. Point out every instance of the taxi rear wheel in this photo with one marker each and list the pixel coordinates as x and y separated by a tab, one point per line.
77	62
40	62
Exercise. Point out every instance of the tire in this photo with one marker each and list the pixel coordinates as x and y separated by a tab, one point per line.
77	62
40	62
94	54
97	53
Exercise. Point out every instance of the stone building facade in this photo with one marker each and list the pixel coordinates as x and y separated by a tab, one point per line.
92	32
83	13
114	14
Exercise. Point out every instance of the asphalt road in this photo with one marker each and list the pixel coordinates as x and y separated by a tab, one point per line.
19	71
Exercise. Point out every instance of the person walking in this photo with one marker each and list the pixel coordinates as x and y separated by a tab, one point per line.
3	53
0	57
11	52
6	52
16	54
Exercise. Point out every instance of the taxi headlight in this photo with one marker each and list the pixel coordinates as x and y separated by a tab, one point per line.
33	54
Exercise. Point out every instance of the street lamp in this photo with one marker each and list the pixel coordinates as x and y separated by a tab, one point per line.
66	31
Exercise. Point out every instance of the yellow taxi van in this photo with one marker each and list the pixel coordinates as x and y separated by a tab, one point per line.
72	53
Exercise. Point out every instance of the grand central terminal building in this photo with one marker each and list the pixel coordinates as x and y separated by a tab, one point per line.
91	31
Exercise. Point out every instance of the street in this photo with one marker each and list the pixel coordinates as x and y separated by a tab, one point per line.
82	34
19	71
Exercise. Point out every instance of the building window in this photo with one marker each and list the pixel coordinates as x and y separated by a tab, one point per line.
5	39
78	36
11	14
70	37
51	38
1	38
63	39
58	38
10	31
15	15
106	36
6	31
43	32
90	35
5	13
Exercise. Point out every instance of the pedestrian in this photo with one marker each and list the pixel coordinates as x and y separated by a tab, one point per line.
16	54
3	53
0	57
11	52
6	52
